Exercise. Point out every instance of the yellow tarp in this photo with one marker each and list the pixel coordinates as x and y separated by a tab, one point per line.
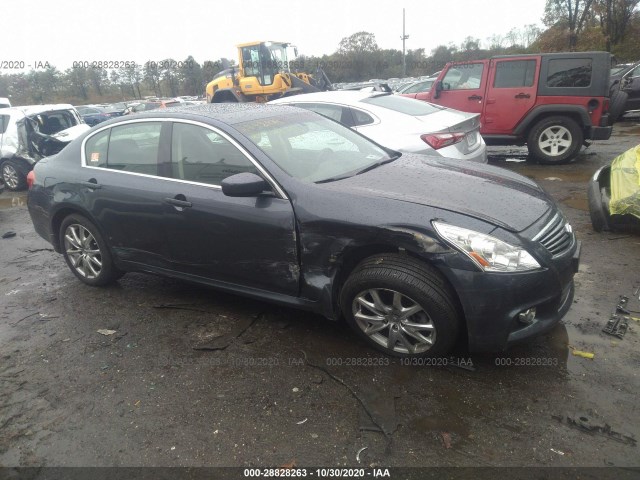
625	183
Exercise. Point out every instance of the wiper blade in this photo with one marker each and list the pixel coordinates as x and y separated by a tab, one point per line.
363	170
377	164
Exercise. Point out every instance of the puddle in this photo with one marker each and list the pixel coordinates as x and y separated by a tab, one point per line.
578	201
13	200
631	131
573	174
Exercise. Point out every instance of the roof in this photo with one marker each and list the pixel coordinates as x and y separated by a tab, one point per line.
230	113
29	110
342	96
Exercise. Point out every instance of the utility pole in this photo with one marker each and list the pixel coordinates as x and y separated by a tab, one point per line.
403	38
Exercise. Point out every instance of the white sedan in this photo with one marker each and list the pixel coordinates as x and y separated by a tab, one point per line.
400	123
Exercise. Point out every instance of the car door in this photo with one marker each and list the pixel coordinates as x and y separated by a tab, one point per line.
463	87
248	241
121	184
510	93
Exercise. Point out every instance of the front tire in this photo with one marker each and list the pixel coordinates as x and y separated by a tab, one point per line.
86	252
401	306
555	140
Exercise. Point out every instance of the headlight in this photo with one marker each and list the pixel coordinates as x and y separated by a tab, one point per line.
489	253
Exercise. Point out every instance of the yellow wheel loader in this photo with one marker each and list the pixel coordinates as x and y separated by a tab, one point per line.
264	73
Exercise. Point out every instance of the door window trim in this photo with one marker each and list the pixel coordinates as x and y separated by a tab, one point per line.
83	163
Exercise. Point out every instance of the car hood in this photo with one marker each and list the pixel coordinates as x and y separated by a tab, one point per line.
492	194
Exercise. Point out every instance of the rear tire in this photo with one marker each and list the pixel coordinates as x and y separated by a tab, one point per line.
12	175
401	307
86	252
555	140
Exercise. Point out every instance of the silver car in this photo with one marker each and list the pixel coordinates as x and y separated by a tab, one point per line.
400	123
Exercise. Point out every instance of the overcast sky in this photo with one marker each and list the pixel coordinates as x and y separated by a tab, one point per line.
63	31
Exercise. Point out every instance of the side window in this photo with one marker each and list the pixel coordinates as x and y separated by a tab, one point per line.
334	112
464	77
514	73
95	150
572	72
361	118
4	122
134	148
201	155
635	72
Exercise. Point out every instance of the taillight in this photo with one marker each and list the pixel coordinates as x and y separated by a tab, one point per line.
440	140
31	178
605	105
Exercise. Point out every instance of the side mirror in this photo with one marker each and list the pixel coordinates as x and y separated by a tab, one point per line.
437	89
244	184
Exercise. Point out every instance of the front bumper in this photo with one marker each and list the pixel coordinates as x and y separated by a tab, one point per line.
492	302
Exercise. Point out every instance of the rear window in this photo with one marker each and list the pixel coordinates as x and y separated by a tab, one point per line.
4	122
574	72
405	105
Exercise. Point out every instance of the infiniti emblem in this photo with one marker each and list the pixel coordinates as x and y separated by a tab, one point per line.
568	228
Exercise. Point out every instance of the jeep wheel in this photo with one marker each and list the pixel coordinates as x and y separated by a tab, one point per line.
555	140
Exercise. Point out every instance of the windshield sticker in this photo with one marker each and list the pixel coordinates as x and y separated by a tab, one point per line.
95	157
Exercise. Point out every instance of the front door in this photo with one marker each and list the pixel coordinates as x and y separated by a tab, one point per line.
246	241
463	87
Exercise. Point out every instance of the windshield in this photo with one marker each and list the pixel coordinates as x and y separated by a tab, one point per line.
312	148
410	106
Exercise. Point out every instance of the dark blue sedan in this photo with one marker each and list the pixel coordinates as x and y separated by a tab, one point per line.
282	204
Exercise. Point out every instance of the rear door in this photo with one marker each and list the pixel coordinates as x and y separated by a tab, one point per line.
510	93
463	87
633	89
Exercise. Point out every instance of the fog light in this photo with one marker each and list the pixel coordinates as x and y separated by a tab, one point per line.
528	316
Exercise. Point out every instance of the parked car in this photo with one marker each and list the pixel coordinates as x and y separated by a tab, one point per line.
32	132
414	90
4	102
146	106
400	123
93	115
412	250
627	77
550	102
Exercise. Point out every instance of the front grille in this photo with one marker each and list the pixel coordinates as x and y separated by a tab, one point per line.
555	237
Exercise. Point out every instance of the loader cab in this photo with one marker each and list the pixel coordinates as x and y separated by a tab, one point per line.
263	60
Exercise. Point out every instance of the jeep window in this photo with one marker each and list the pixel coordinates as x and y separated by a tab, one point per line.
574	72
400	104
514	73
467	76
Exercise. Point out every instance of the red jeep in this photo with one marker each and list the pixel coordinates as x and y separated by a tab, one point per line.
552	102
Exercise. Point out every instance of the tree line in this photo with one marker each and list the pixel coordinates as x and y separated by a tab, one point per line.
570	25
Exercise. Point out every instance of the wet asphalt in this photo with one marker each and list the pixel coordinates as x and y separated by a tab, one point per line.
194	377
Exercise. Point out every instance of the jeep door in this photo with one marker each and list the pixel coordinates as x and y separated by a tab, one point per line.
510	94
463	86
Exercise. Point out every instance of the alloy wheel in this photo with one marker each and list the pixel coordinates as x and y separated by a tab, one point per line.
555	140
10	176
83	251
394	321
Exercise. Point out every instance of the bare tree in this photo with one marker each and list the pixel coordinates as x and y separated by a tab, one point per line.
573	13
